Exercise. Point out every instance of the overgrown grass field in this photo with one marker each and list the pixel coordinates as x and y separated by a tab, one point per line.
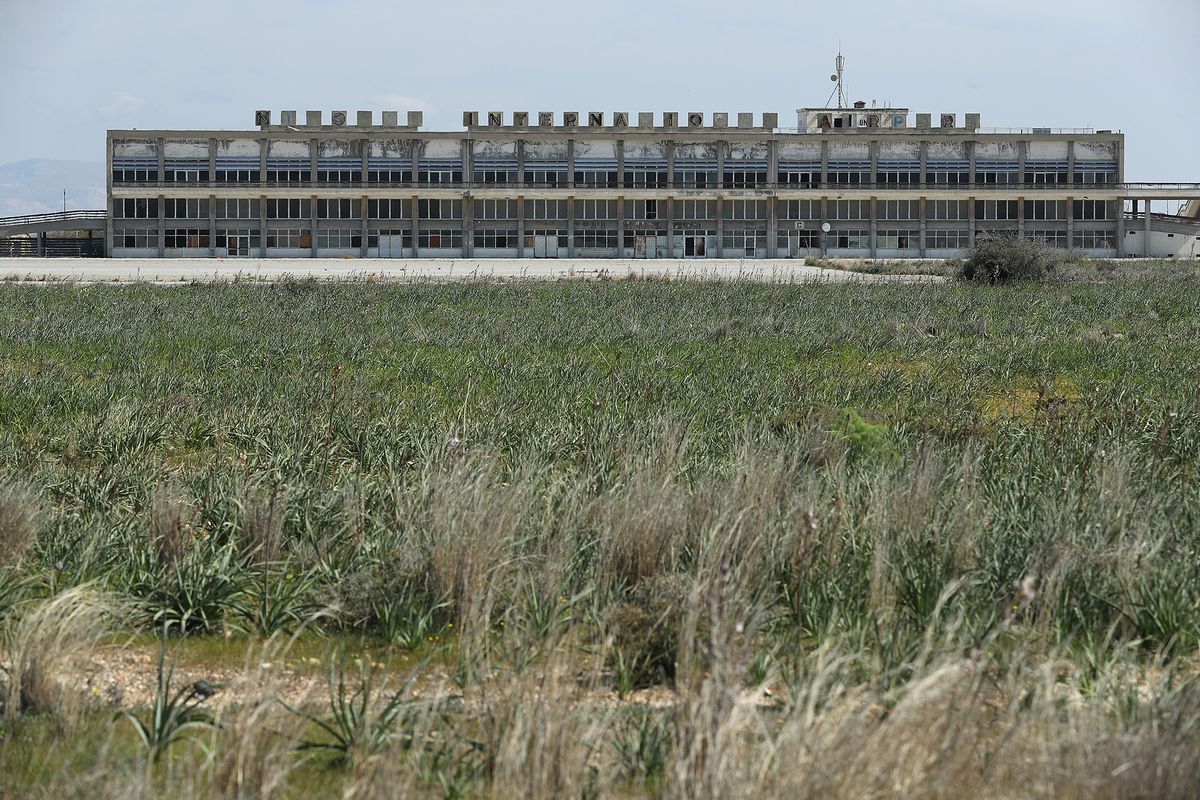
602	539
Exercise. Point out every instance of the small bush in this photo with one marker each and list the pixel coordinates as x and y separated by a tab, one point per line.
1005	258
645	633
20	510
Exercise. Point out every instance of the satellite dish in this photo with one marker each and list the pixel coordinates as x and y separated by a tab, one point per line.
826	227
833	78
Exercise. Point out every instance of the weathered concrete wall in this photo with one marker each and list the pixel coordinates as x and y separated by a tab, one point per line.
237	148
595	148
135	148
952	151
496	151
441	148
695	151
549	150
748	151
185	148
900	151
391	148
287	150
799	151
846	151
997	151
1046	151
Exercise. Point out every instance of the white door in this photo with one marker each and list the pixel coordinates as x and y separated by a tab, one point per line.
391	246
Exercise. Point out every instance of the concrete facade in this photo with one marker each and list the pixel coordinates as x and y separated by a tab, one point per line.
608	185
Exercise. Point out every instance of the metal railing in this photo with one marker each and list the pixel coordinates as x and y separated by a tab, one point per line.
468	185
55	216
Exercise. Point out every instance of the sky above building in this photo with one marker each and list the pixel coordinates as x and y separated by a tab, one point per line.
73	69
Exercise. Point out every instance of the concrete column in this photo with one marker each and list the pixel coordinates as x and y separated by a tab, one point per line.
824	209
873	146
416	222
570	162
971	161
520	162
671	164
921	235
467	157
670	226
1021	217
722	147
1146	229
824	163
41	243
1022	150
772	168
212	225
924	151
520	227
162	223
720	226
571	225
416	164
620	226
313	228
1120	233
312	167
212	161
772	227
1070	222
620	163
262	224
874	225
365	144
162	161
1070	163
468	224
364	208
971	218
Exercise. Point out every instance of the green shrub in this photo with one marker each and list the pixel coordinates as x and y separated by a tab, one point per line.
1007	258
645	633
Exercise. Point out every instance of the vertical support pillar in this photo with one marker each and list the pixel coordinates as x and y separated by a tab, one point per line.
571	162
874	225
824	163
212	225
313	226
41	243
924	152
671	163
1021	217
416	167
162	225
1070	163
262	222
921	234
824	211
721	148
212	161
1119	204
773	163
873	149
416	222
366	218
1070	222
720	226
1022	151
520	227
1146	234
365	144
520	162
313	146
620	226
971	219
671	225
620	164
772	227
571	224
162	160
971	162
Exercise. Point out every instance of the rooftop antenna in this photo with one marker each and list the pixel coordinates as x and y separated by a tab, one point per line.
839	64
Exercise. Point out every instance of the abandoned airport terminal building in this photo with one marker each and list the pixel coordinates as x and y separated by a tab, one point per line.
857	181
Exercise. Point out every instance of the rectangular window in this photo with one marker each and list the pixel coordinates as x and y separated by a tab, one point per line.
389	209
646	177
432	239
800	175
596	178
135	208
739	176
850	239
546	209
736	242
391	236
695	209
1045	209
493	239
296	238
1093	240
339	174
691	177
185	208
995	209
1089	209
596	209
596	240
898	209
849	172
1052	238
644	209
546	177
745	209
496	176
289	208
228	208
347	208
439	209
948	240
850	209
897	240
947	172
339	239
135	237
799	209
389	175
179	238
445	174
898	173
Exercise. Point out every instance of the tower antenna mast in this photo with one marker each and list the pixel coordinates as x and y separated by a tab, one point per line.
839	64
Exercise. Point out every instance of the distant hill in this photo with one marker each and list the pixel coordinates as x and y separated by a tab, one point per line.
35	186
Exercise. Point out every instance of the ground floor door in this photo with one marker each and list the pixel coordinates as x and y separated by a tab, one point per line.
645	246
238	245
693	246
391	246
542	246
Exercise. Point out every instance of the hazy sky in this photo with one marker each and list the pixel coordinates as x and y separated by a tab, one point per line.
71	70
